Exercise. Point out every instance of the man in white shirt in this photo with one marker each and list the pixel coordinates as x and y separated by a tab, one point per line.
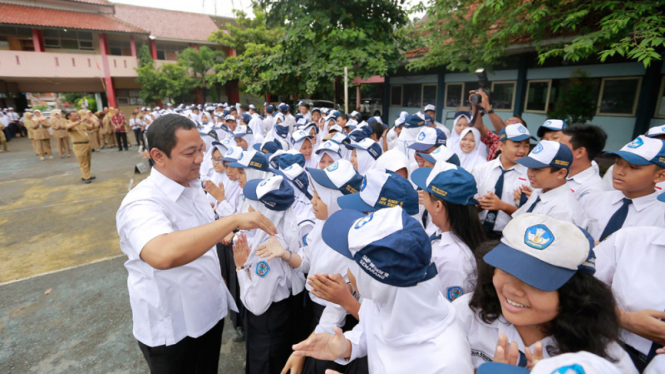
269	121
168	232
586	142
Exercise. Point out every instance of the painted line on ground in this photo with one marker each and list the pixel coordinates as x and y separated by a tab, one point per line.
61	270
68	202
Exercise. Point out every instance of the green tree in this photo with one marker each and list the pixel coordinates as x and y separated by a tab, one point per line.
199	63
467	34
576	102
176	82
151	82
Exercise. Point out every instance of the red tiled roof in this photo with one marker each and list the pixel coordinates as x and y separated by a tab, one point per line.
168	24
97	2
34	16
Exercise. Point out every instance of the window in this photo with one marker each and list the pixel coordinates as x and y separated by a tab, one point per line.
503	95
396	95
129	97
454	95
537	96
120	48
660	106
68	39
15	31
618	96
429	94
411	96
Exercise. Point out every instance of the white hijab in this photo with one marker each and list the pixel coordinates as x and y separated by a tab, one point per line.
365	161
454	137
477	156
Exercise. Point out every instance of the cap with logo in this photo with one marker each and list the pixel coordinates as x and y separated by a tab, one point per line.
389	245
252	107
223	147
442	153
251	159
548	153
551	125
567	363
515	132
230	117
643	151
291	157
268	146
429	107
242	130
340	175
413	121
232	154
543	252
382	189
369	145
336	128
300	135
656	131
447	182
427	138
273	192
357	135
329	146
246	117
296	175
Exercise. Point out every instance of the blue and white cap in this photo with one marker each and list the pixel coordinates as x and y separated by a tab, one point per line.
428	138
232	154
340	175
548	153
329	146
230	117
279	117
389	245
302	103
567	363
242	130
643	151
352	123
283	108
515	132
656	131
442	153
355	114
246	117
273	192
335	127
429	107
252	107
309	125
300	135
543	252
291	157
401	118
340	138
268	146
382	189
358	135
447	182
251	159
414	120
551	125
223	146
369	145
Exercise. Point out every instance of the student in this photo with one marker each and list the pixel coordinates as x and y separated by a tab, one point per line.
244	137
304	144
313	130
427	140
631	262
364	155
303	108
460	123
58	124
223	187
471	151
280	130
551	129
406	326
382	189
536	297
407	136
586	142
328	152
269	121
548	165
395	161
448	198
499	178
639	165
431	111
442	153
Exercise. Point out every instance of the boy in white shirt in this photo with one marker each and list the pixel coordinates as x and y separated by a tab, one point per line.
586	142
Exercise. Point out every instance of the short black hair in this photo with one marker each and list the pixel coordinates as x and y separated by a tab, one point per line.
591	137
377	128
555	169
161	133
244	107
344	116
233	109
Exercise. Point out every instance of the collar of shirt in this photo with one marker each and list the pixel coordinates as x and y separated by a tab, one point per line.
584	176
640	203
554	194
172	189
496	164
446	237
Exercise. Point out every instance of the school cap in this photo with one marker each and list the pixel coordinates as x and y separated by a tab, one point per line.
413	121
548	153
246	117
335	127
340	175
283	108
376	119
329	146
643	151
223	146
291	157
355	114
273	192
428	138
382	189
543	252
352	123
311	124
447	182
442	153
340	138
551	125
389	245
270	109
252	107
302	103
515	132
429	107
242	130
369	145
232	154
656	131
357	135
567	363
300	135
300	120
230	117
392	160
268	146
251	159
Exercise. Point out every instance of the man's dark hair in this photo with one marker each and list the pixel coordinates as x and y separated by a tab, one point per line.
378	129
161	133
591	137
344	116
244	107
233	109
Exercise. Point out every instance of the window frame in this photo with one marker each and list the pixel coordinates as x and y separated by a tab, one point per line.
445	98
422	93
401	93
547	98
635	101
512	101
660	95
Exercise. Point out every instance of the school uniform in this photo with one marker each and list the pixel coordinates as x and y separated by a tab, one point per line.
483	338
586	182
559	203
631	262
135	124
267	124
609	185
82	149
455	263
41	136
642	211
61	136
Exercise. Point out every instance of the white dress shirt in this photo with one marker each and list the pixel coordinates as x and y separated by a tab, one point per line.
455	264
443	128
169	305
268	123
585	182
631	262
559	203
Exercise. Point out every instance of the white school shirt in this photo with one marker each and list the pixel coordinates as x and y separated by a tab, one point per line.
13	116
483	338
600	206
486	176
189	300
135	123
268	123
443	128
455	264
631	262
256	124
559	203
656	366
391	138
607	179
585	182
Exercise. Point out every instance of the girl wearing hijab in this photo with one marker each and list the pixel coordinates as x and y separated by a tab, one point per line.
364	155
313	131
222	187
268	286
304	143
280	129
460	122
406	326
328	152
470	150
58	125
41	137
94	135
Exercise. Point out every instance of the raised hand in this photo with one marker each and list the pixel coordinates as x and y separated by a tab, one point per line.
324	346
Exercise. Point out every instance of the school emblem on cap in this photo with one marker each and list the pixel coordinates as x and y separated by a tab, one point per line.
230	151
538	237
363	221
263	183
289	167
262	269
453	293
332	167
537	149
421	136
521	129
547	123
328	144
635	143
240	157
364	184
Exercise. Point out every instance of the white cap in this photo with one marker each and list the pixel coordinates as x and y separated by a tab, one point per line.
230	117
656	131
568	363
429	107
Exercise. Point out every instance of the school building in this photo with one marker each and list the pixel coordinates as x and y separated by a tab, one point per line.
91	46
629	97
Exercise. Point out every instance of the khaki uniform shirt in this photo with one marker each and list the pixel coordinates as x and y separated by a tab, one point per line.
78	133
39	129
58	127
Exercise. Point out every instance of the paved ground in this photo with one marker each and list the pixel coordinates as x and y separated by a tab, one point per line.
64	306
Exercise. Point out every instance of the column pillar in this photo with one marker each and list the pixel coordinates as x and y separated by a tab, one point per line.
108	81
38	40
520	89
648	99
385	101
153	49
132	45
440	93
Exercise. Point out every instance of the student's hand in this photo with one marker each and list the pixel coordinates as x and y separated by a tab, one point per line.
216	191
420	197
324	346
645	323
331	371
505	352
330	287
255	220
523	188
272	249
533	358
240	250
491	201
294	365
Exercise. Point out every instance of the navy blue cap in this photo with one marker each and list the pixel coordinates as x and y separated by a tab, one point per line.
270	109
369	145
251	159
288	159
357	135
298	117
427	138
389	245
442	153
447	182
336	113
382	189
501	368
413	121
282	130
273	192
515	132
246	117
283	108
368	130
270	146
302	103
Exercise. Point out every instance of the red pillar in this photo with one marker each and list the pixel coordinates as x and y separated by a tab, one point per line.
38	40
110	90
199	96
153	49
195	46
132	45
232	91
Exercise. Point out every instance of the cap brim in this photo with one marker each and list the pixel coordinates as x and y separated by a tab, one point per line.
531	163
257	147
235	164
336	230
321	178
500	368
420	146
355	202
661	197
528	269
250	189
630	157
419	177
429	158
519	138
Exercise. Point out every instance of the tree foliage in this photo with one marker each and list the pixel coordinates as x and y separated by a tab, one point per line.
576	102
467	34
